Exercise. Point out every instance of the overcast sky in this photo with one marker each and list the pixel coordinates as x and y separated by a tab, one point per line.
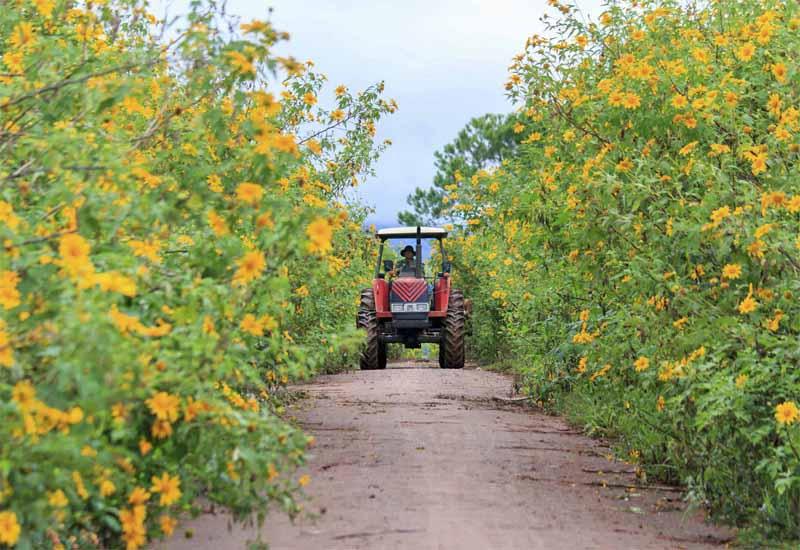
444	61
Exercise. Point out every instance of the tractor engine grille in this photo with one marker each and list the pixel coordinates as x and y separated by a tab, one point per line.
409	290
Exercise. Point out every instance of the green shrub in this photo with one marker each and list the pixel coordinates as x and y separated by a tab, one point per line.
642	245
172	241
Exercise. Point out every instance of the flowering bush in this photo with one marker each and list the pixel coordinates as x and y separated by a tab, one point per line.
642	246
171	239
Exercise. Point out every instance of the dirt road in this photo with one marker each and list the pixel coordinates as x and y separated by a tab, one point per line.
416	457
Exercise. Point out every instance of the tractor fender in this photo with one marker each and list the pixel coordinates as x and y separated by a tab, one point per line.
380	290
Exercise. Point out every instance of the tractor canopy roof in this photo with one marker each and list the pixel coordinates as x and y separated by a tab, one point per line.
410	232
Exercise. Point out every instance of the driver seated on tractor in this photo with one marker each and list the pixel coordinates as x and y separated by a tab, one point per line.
409	267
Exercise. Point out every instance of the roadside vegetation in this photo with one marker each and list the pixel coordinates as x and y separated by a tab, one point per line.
638	254
174	253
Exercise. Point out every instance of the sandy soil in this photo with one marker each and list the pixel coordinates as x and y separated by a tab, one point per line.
416	457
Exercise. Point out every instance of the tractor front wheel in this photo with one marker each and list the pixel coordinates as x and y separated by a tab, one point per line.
371	357
451	348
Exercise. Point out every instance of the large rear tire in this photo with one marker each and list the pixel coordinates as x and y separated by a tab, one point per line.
451	349
368	320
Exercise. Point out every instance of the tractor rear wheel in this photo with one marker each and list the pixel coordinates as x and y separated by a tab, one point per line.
368	320
451	348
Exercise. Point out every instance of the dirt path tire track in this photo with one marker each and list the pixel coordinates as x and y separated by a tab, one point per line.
417	457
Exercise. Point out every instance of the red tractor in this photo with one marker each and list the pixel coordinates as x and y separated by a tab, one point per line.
412	309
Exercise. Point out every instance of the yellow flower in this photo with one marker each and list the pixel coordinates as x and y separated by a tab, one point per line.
787	413
44	7
144	446
748	305
107	488
631	101
255	26
22	36
641	364
9	295
9	528
167	524
241	63
168	487
164	406
251	325
718	149
218	225
779	72
763	230
265	220
625	165
746	51
133	529
161	429
309	99
215	183
57	499
249	193
304	480
80	488
774	324
758	164
74	250
249	267
741	380
320	234
114	281
302	291
7	216
731	271
138	496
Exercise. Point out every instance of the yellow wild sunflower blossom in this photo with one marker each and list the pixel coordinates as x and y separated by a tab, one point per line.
134	532
215	183
249	193
9	295
779	71
748	305
149	249
8	217
320	234
241	63
74	251
731	271
787	413
774	323
249	267
251	325
168	487
641	364
167	524
9	528
164	406
218	225
746	51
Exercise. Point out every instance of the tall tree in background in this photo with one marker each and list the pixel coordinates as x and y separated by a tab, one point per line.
483	143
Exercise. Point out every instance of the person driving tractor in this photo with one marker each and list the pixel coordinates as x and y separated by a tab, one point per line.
409	267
